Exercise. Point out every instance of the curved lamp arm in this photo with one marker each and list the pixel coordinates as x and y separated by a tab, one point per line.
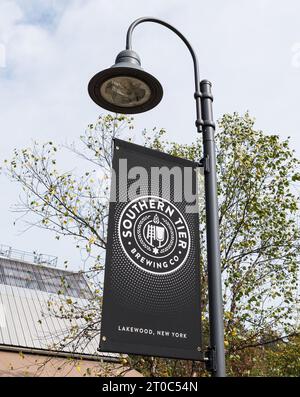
197	94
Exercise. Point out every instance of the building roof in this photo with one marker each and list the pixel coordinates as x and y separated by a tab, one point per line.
30	293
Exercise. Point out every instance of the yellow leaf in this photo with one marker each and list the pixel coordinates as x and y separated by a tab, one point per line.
92	240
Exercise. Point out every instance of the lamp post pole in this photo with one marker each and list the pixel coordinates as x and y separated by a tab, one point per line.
205	124
128	64
212	234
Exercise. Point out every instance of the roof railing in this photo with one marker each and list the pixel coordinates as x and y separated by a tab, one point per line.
30	257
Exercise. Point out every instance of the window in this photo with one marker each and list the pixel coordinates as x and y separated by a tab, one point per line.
18	274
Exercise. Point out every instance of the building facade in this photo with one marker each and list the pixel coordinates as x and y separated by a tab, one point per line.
37	336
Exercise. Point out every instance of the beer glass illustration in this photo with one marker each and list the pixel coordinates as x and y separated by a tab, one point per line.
155	232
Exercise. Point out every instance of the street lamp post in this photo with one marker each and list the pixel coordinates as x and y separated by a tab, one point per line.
126	88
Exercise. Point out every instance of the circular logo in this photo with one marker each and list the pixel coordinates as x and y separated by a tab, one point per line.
154	235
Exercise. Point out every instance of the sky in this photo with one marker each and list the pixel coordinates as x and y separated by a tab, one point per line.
49	50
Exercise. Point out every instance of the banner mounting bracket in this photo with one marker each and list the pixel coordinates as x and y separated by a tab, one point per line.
204	162
210	359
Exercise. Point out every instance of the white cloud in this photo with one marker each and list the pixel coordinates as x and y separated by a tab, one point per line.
53	48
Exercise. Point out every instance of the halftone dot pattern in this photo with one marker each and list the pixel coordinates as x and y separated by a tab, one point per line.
131	286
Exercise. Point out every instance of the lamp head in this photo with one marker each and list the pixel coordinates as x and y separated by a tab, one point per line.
125	87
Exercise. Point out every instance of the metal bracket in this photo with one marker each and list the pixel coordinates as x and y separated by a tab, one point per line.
208	123
210	359
199	124
204	162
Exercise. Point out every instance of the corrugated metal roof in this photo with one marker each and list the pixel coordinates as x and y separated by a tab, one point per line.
26	291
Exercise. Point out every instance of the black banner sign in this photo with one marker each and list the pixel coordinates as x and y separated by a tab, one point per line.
151	302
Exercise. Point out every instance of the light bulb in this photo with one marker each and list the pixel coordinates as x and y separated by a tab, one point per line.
125	91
